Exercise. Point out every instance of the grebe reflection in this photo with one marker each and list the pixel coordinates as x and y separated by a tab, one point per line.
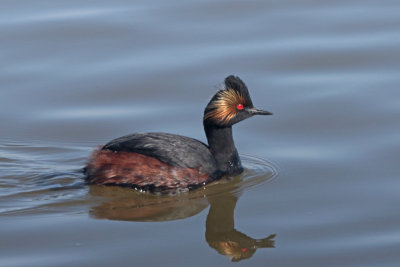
221	235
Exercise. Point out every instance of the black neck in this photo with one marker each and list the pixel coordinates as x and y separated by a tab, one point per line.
220	141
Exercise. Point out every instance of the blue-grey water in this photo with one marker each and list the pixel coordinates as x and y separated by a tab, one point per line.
321	186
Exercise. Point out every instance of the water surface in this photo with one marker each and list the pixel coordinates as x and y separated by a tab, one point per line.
321	186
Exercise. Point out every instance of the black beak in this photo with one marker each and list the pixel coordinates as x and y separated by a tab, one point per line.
256	111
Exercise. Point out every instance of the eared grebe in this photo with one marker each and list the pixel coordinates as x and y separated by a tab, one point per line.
167	162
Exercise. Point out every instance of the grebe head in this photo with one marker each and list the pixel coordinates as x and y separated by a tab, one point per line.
231	104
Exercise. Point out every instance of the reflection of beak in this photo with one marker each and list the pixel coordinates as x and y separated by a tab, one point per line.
256	111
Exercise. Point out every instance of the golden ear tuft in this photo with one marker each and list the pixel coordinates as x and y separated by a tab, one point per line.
224	107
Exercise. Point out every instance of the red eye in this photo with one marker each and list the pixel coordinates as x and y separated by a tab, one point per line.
239	106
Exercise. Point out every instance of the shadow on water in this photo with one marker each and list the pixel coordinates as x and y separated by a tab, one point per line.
222	196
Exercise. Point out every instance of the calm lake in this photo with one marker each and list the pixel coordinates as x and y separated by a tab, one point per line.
321	185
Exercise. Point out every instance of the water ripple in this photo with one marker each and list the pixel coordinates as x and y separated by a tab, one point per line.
60	15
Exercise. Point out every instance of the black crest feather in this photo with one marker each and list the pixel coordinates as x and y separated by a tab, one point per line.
238	85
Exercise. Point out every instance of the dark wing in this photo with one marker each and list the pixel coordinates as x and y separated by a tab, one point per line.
175	150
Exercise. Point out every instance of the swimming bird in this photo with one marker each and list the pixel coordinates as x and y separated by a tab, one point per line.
164	162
